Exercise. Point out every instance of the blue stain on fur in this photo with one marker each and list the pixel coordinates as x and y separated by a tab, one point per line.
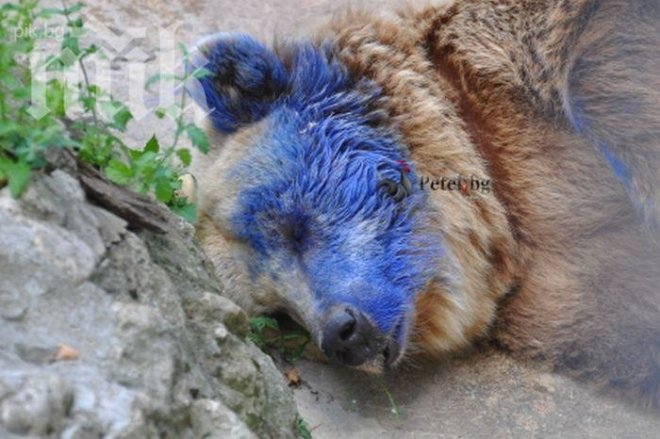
620	168
315	202
246	79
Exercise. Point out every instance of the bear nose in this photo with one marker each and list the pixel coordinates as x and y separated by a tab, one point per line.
349	337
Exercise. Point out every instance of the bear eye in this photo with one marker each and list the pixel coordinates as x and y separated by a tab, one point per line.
397	190
296	236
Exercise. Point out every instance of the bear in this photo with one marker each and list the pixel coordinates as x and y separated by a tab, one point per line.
474	170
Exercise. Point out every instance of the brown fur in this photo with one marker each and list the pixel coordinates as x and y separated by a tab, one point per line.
556	265
479	87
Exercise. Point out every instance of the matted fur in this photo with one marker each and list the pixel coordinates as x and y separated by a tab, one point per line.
558	102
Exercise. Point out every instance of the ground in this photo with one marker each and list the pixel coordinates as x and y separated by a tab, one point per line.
482	394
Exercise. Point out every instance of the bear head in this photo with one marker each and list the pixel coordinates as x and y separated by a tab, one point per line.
310	199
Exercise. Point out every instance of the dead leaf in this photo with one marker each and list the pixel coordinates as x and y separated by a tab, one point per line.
66	353
293	377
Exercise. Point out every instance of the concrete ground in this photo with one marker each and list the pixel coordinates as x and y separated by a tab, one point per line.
479	395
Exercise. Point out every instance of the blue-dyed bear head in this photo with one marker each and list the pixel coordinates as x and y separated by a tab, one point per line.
309	197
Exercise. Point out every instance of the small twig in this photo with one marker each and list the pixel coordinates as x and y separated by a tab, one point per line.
311	430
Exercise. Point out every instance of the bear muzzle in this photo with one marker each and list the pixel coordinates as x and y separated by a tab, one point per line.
350	338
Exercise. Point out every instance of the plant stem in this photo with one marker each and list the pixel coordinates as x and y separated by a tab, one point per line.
86	79
179	130
393	405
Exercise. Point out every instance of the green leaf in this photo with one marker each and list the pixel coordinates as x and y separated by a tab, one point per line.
9	7
119	112
78	22
90	51
152	145
9	129
49	12
88	102
18	175
55	97
66	59
74	8
160	113
122	117
135	154
202	72
71	43
119	172
295	336
164	190
187	211
145	158
259	323
185	156
182	47
53	63
198	138
159	77
303	429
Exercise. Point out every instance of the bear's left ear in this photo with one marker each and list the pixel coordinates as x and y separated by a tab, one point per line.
245	79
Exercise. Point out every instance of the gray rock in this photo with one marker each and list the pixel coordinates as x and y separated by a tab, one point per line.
213	420
106	332
39	407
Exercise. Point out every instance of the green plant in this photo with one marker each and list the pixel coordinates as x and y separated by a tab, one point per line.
394	408
267	334
303	429
95	136
23	135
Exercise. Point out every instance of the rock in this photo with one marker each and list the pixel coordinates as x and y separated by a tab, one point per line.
13	304
39	407
212	308
151	347
212	420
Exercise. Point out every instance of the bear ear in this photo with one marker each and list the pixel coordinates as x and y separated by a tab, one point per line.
245	79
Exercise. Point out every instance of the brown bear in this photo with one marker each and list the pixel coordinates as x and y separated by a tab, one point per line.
476	169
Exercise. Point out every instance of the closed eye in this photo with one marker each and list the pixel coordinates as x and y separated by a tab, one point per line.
296	236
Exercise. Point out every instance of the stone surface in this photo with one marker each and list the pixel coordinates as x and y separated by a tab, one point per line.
151	349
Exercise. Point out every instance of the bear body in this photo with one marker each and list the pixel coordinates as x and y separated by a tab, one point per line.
343	183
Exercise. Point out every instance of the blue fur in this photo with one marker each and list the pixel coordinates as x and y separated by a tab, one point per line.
620	168
313	185
250	68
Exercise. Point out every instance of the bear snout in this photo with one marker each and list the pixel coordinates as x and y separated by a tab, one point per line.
350	338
